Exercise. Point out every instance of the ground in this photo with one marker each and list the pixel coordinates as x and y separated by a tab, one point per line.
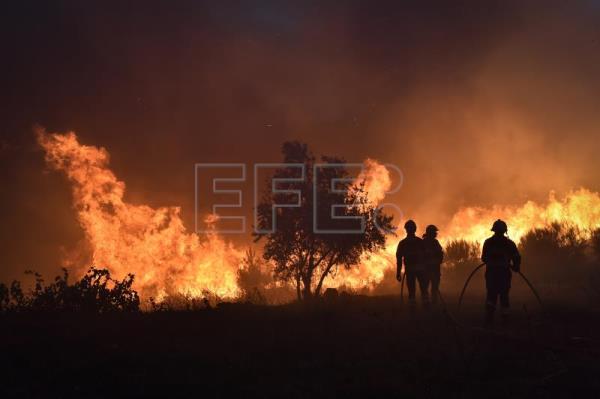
352	346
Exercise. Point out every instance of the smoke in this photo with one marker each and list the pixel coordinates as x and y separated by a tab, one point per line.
478	103
521	124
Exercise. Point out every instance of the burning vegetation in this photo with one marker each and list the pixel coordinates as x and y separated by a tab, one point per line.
168	261
153	244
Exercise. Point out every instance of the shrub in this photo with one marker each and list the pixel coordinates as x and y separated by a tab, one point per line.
96	292
555	254
253	278
459	253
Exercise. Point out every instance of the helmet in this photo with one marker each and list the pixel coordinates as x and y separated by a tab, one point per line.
431	229
410	225
500	226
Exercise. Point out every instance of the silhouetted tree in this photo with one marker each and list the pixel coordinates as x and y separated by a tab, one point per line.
299	253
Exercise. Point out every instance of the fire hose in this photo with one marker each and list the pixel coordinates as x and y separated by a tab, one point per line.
535	293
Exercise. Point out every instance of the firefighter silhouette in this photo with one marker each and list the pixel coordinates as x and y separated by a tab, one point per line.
500	254
434	255
411	253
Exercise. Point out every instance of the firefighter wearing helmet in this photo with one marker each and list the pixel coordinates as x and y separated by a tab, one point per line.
501	256
434	256
411	253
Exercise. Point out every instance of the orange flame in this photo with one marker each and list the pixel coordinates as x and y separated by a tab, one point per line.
377	183
151	243
377	180
166	259
579	209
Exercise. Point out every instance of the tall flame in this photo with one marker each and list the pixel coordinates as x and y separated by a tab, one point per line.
151	243
377	182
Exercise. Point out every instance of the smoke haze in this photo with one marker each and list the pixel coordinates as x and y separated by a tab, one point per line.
478	103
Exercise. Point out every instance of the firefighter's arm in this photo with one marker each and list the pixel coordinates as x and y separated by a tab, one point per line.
399	256
440	253
516	258
484	252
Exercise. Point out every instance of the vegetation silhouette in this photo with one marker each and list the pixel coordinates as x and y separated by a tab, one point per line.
300	253
560	251
95	292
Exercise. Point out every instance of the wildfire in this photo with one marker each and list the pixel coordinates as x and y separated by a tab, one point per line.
376	178
151	243
579	209
377	182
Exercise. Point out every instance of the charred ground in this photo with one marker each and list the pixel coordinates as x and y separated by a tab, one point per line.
352	345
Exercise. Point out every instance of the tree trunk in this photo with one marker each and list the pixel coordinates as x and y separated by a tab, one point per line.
307	279
325	273
298	292
306	291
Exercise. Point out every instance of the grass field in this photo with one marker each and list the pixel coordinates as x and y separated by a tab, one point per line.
354	346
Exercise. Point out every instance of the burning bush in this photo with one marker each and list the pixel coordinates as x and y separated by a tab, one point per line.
461	253
96	292
253	278
257	284
460	258
388	285
178	302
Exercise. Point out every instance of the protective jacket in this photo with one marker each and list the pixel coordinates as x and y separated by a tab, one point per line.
500	254
500	251
434	254
412	251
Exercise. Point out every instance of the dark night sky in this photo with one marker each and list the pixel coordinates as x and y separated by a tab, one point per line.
478	102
